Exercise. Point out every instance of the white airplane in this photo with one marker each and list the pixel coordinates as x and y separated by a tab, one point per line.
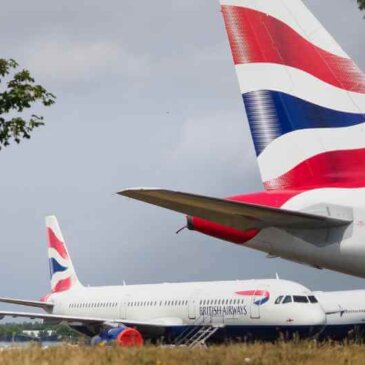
181	313
345	314
305	103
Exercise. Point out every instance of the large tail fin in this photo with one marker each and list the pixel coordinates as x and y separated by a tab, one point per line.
304	97
63	275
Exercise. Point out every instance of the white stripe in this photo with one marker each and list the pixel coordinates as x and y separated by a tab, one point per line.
337	196
52	253
60	276
297	16
52	223
292	81
291	149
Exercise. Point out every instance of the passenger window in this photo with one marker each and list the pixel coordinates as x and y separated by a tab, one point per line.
313	299
278	300
287	299
300	299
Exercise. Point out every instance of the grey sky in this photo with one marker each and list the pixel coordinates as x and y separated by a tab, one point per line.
147	96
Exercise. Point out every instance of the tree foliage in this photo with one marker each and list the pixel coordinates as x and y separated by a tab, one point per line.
18	94
361	4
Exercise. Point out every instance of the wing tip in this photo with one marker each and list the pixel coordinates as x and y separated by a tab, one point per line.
127	191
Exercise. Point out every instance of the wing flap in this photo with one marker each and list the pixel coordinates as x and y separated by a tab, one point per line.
236	215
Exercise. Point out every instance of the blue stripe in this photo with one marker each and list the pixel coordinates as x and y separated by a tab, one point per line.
262	301
55	266
272	114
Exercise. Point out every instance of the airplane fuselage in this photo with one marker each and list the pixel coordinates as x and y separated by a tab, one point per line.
239	308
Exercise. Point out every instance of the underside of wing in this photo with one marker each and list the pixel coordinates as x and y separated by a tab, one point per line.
55	318
241	216
28	303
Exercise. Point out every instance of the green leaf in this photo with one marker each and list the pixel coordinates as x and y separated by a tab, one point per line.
20	94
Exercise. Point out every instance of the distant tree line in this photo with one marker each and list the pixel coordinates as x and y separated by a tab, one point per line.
62	331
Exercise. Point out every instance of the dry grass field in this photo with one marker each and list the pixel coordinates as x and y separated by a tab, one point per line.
281	353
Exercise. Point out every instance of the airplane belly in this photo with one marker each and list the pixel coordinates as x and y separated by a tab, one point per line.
345	256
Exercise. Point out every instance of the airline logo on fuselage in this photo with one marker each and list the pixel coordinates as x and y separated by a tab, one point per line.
260	297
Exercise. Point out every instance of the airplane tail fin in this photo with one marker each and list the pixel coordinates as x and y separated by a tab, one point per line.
304	97
62	272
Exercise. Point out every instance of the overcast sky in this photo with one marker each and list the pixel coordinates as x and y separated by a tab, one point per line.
146	96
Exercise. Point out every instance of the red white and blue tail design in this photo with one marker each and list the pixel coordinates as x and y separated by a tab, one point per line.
63	275
304	96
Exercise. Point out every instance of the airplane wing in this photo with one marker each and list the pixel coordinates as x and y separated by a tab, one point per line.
27	303
232	214
55	318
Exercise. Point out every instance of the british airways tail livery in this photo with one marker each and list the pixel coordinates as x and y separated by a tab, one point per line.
179	313
304	97
305	102
62	272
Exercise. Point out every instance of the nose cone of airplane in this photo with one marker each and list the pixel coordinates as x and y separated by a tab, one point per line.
312	316
318	316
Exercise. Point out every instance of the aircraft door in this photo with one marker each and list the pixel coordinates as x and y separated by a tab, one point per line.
254	306
124	306
192	306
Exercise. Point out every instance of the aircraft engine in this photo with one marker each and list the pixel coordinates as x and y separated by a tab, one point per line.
122	335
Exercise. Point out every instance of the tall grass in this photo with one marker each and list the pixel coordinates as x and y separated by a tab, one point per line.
255	354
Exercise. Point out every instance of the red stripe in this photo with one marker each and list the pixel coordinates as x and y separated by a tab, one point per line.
222	232
55	243
274	199
45	297
257	37
258	293
342	169
62	285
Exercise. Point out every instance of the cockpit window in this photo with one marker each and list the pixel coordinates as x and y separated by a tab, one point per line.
278	299
300	299
313	299
287	299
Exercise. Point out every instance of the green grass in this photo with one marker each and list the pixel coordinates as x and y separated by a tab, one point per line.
280	353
